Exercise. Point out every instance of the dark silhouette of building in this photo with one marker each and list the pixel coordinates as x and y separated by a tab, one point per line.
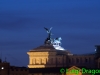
7	69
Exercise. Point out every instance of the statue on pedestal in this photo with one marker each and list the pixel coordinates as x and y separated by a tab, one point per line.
55	42
48	39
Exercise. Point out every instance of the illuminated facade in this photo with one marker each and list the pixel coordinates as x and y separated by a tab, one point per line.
47	56
51	54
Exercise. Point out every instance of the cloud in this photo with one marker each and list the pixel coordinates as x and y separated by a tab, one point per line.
37	16
16	22
22	22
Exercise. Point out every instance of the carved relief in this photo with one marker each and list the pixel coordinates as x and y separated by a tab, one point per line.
38	61
33	61
38	54
44	61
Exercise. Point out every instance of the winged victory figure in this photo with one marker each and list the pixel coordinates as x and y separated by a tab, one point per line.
49	34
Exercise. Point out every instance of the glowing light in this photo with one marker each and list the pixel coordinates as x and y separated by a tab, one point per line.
58	47
95	49
2	68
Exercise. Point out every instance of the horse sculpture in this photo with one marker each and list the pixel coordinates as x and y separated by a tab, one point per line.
57	40
49	40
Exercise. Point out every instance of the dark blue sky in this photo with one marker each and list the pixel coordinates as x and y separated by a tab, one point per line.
22	22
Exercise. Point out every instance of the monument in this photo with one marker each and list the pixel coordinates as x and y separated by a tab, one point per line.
48	40
50	54
55	42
